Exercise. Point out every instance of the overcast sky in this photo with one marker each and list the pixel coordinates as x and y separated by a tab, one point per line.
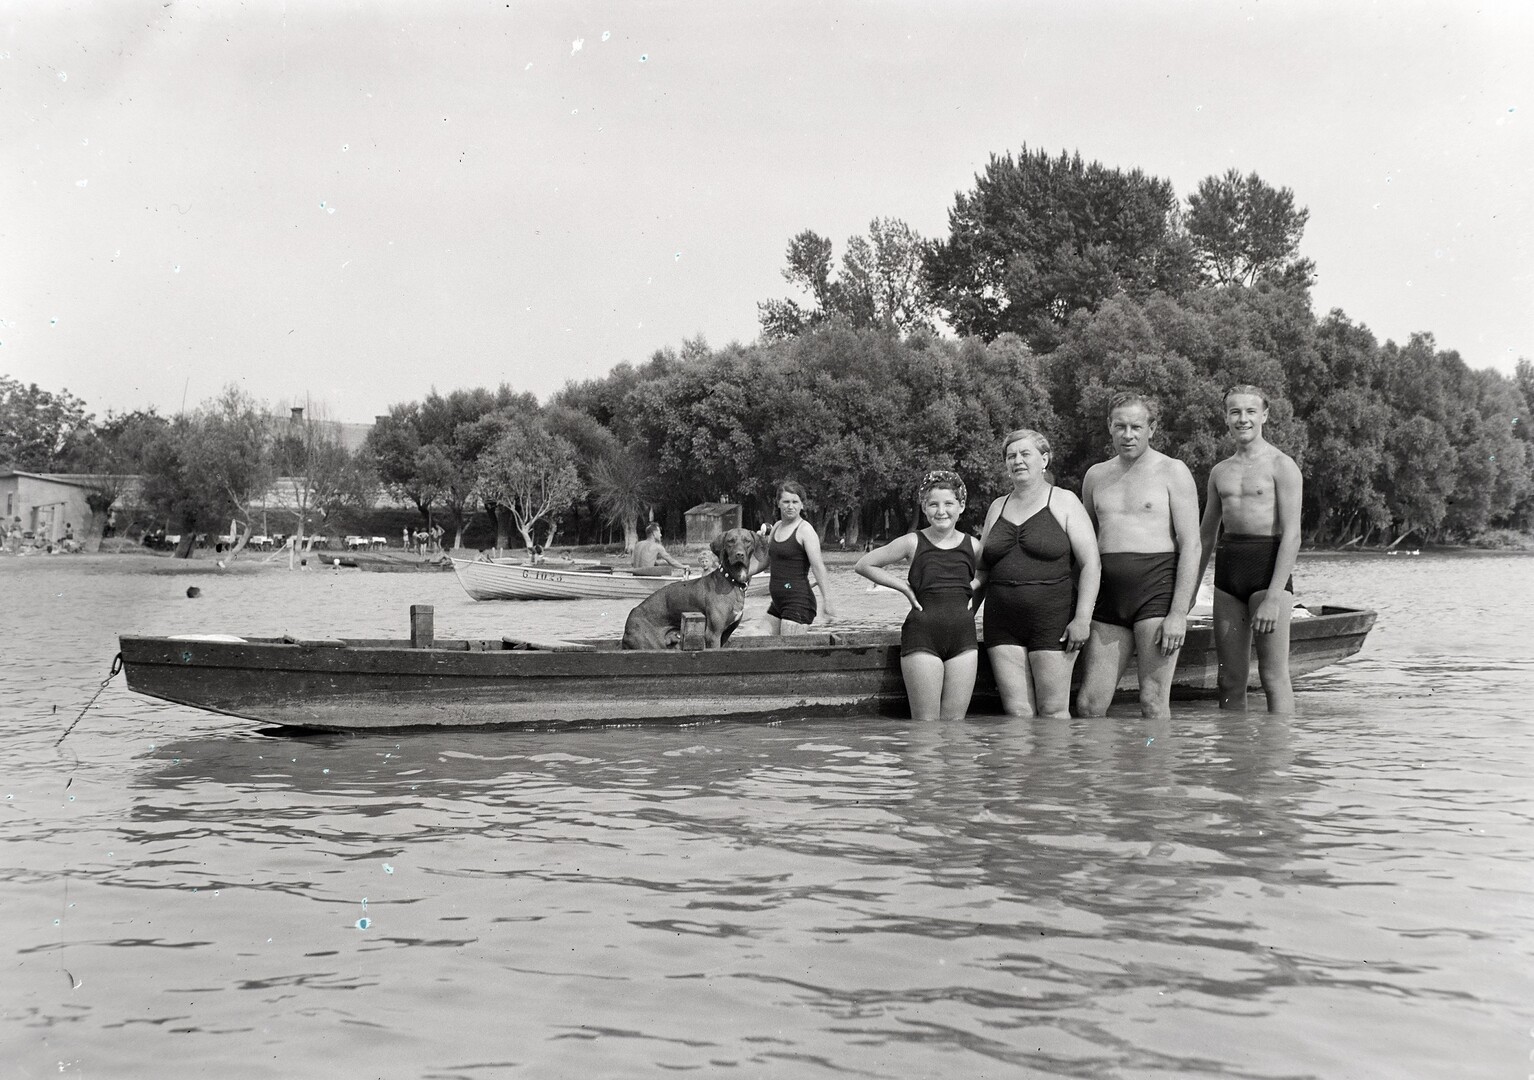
352	203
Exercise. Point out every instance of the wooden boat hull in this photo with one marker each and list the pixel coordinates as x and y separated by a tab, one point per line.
387	685
525	581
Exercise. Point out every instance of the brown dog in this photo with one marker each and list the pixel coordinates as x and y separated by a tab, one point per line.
721	596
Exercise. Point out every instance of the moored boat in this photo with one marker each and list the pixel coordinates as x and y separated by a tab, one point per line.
368	685
535	581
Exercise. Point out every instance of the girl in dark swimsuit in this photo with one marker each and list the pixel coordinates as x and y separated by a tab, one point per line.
1039	572
938	654
793	550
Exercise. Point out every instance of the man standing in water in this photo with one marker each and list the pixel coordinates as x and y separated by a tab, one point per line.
1254	511
1144	506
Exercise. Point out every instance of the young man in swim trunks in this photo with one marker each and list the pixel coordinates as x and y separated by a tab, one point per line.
1254	511
1144	506
650	552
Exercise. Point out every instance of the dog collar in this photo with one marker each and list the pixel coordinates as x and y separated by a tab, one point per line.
741	585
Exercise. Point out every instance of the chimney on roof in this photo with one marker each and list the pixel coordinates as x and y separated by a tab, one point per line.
298	414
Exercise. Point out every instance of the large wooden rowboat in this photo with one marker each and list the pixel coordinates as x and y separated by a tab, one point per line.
389	685
526	581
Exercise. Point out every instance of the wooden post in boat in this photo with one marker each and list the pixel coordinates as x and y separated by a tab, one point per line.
694	631
421	631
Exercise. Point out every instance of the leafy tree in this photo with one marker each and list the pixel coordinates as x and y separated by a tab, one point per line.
880	284
113	457
38	428
1244	229
532	473
316	475
209	467
1040	237
1348	420
428	452
395	447
624	486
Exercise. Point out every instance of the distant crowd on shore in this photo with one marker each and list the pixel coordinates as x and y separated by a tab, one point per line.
15	540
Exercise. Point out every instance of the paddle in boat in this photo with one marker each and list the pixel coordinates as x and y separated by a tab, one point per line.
505	580
430	682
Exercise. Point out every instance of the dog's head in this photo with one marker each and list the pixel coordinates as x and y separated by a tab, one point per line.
741	553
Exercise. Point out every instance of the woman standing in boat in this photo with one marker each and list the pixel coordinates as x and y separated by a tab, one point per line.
1038	576
938	654
793	549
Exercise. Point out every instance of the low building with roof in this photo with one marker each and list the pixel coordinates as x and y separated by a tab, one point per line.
45	504
711	519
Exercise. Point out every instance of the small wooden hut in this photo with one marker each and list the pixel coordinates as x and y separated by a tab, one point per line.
708	520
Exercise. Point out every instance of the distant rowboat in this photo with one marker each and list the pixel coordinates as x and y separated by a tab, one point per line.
530	581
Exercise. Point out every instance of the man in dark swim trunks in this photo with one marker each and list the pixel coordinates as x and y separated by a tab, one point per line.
1144	505
1254	511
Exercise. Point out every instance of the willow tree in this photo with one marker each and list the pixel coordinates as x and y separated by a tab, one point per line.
532	474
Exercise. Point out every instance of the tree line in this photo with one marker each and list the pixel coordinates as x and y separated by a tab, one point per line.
1062	282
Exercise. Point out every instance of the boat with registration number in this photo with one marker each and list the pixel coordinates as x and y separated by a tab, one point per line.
535	581
425	683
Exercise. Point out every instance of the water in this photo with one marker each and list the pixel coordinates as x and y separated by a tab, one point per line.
1346	893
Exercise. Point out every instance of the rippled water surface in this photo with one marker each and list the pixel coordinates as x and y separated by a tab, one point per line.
1344	893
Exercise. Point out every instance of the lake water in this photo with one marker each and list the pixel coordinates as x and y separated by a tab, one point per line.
1345	893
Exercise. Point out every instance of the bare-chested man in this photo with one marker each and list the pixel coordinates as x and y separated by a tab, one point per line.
1145	507
1254	511
650	552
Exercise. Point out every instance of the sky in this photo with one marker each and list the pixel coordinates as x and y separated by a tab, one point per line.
351	204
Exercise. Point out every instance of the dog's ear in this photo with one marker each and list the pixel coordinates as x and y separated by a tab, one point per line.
759	558
717	547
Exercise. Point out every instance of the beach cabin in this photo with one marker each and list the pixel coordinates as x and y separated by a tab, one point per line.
46	502
711	519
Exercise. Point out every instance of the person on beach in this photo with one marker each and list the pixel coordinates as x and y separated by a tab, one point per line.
1144	506
1252	528
1038	578
793	549
650	552
938	653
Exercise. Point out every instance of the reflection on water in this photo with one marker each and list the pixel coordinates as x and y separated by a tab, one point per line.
1344	893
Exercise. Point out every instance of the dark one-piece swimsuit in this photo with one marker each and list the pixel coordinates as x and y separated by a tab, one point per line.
789	580
1243	565
1031	593
940	577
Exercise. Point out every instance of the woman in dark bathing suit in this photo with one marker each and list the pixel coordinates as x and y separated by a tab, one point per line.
793	549
1039	574
938	654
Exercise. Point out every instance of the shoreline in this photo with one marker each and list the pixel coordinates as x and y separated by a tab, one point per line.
204	562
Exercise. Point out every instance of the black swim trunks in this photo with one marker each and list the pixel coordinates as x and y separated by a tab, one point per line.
1243	565
1135	586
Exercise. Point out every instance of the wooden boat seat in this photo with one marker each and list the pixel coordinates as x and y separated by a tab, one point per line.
328	643
546	645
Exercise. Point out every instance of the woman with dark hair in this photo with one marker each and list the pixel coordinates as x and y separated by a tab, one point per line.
793	548
1039	574
938	654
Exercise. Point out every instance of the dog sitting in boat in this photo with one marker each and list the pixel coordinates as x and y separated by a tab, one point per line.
656	623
